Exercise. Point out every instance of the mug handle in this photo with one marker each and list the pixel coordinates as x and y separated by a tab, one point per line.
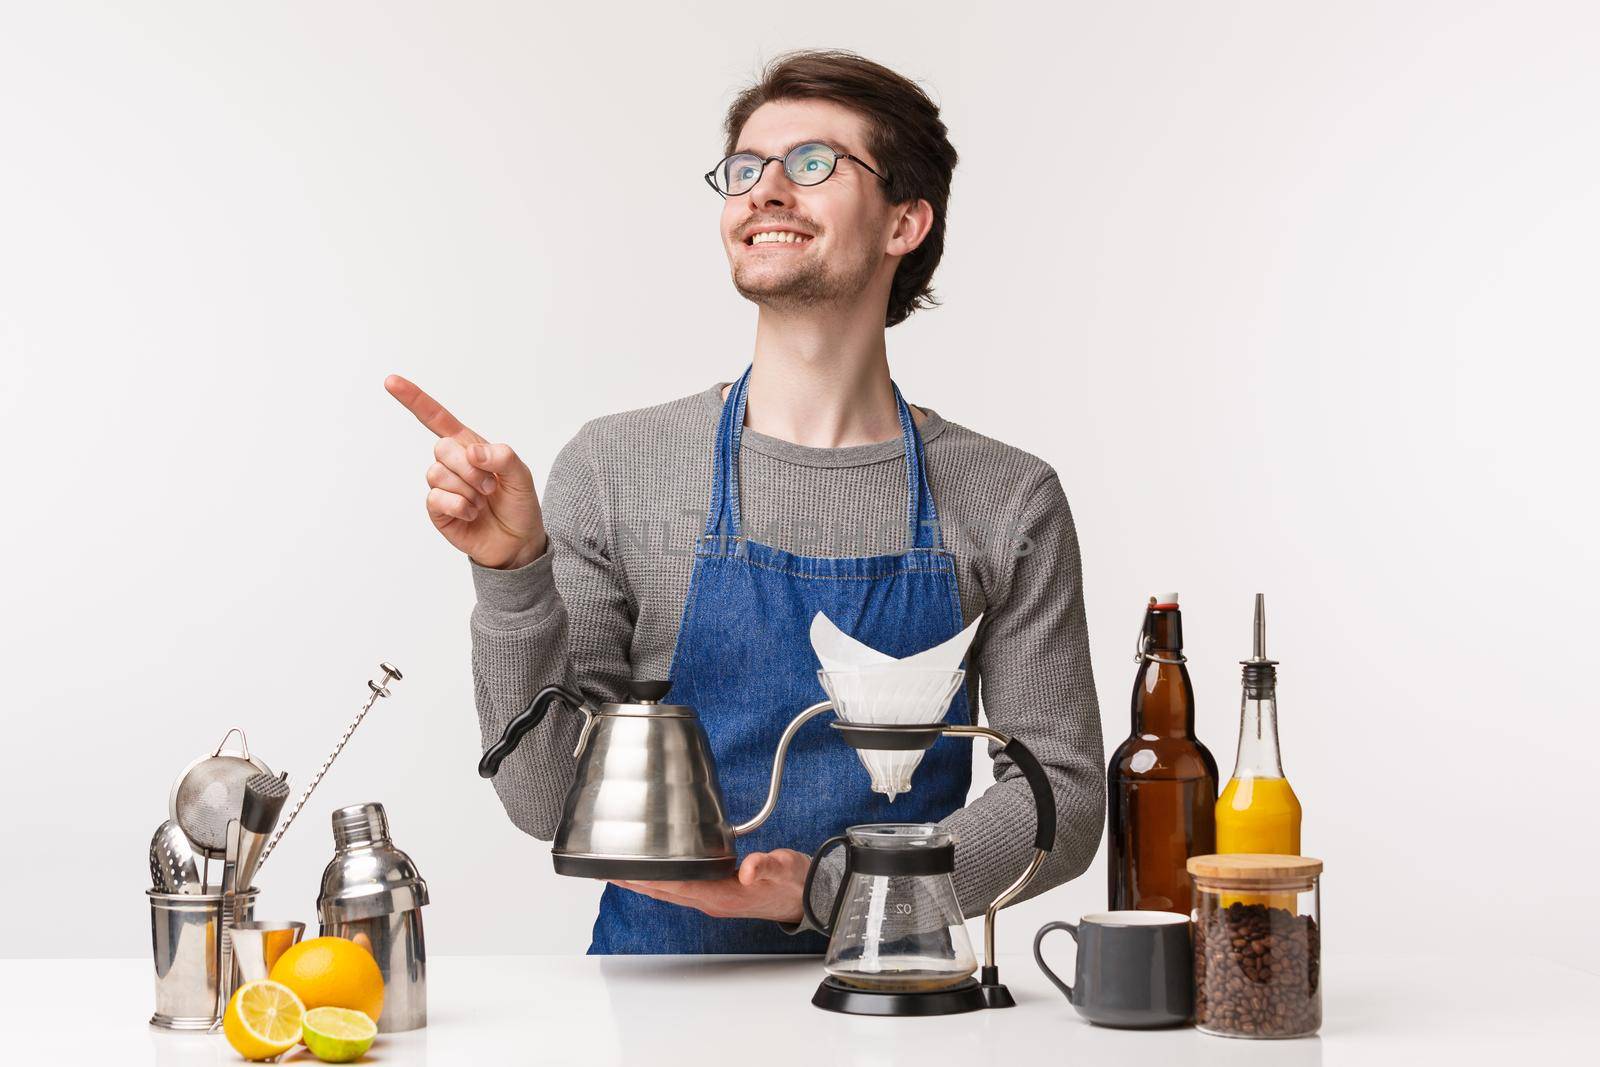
1039	957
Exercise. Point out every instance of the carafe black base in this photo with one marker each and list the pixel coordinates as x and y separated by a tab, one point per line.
834	995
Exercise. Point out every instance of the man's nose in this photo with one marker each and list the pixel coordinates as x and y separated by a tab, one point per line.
773	188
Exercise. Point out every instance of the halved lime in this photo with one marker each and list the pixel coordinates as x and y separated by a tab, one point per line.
338	1035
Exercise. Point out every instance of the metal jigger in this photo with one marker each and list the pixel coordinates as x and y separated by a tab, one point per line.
257	946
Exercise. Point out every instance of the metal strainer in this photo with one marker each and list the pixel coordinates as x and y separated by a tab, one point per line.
210	791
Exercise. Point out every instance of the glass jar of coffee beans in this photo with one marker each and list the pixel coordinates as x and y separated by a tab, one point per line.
1257	945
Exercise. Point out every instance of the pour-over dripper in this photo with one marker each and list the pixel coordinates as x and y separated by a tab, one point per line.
889	694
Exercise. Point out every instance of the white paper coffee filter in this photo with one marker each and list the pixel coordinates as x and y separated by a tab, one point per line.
868	686
838	651
946	656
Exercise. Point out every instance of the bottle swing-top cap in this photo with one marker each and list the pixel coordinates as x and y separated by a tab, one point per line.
1260	673
1162	629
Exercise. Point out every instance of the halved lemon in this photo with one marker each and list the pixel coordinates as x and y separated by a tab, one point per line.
263	1020
339	1035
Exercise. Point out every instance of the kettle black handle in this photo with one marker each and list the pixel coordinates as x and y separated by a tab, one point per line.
1044	798
531	716
811	876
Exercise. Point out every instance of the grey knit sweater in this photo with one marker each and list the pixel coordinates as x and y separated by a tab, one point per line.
624	503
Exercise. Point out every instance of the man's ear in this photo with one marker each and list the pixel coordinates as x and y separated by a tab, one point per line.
913	220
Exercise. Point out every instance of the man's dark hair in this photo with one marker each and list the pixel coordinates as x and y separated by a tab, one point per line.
905	137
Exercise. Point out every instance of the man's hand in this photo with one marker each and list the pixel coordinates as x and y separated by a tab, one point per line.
768	886
480	495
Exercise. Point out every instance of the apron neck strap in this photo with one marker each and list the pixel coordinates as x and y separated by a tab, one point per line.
723	518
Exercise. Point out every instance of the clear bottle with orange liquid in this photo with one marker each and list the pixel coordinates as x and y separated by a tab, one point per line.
1258	811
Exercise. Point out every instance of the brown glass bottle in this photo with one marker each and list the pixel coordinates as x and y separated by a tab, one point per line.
1162	782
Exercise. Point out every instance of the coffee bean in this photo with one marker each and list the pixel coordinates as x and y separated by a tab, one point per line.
1256	970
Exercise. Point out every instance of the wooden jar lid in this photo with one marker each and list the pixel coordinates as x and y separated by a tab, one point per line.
1253	867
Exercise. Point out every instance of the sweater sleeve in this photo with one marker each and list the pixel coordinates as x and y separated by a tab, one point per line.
1037	685
566	619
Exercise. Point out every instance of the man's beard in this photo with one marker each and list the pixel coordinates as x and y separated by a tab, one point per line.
798	286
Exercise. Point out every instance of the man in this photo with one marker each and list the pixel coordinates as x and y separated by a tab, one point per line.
835	495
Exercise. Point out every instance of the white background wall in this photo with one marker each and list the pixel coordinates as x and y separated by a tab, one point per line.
1297	297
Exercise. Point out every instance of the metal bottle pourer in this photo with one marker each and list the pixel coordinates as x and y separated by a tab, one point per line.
1260	673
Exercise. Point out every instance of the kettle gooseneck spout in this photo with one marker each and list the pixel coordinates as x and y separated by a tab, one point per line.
777	767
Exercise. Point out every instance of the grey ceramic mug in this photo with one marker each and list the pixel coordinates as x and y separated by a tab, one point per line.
1135	969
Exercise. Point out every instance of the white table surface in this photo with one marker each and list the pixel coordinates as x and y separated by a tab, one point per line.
755	1011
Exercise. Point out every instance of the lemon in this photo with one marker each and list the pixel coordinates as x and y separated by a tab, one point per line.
338	1035
331	972
263	1020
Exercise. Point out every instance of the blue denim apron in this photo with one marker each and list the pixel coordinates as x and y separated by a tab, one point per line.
744	662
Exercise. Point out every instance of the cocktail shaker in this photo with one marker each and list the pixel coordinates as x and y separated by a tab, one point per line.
373	895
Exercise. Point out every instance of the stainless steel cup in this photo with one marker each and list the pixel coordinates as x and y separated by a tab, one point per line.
257	946
184	928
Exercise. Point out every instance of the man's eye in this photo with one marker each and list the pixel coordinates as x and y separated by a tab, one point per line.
812	164
746	173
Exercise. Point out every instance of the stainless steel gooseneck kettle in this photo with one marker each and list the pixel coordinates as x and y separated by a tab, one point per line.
645	801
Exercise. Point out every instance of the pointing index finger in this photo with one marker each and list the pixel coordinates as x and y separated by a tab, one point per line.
428	411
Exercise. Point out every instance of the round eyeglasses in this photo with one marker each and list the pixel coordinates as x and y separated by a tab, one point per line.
805	164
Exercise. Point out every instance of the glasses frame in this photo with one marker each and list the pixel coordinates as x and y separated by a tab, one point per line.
710	175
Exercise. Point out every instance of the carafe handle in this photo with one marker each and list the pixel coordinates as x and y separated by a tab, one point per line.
531	716
1039	956
811	876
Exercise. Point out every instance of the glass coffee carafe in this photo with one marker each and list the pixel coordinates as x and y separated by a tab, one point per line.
896	926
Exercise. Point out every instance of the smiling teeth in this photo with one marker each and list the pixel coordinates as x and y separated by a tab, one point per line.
777	237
